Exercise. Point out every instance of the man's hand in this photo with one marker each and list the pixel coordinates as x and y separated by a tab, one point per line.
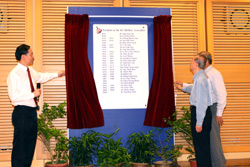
178	85
219	120
37	92
61	73
198	128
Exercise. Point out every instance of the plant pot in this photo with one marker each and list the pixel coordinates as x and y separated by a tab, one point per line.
56	165
160	164
119	165
139	164
193	162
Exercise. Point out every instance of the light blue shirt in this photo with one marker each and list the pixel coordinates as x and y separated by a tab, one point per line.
200	94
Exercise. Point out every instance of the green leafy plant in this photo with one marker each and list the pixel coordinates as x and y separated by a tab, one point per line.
111	152
182	126
165	150
48	132
83	150
142	147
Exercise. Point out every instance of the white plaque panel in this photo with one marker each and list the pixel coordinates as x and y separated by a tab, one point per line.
120	56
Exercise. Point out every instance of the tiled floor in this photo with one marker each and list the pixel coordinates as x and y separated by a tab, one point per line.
230	163
239	166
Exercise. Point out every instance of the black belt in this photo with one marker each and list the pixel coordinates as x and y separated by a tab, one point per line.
19	106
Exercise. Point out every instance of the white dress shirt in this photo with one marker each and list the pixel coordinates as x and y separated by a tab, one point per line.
19	89
219	93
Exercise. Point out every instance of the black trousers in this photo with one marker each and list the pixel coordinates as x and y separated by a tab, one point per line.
202	140
24	120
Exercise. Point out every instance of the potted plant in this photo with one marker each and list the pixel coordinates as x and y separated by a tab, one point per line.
142	147
47	133
83	150
182	126
165	150
111	152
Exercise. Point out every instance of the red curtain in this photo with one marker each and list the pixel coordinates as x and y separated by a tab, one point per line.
161	102
83	107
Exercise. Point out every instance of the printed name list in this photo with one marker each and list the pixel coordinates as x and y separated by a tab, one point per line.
121	65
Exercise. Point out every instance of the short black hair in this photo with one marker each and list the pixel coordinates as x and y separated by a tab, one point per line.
21	50
207	55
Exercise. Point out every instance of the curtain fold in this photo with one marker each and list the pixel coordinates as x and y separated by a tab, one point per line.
161	101
83	107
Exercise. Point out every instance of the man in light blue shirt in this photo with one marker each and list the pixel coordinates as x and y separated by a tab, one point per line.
200	101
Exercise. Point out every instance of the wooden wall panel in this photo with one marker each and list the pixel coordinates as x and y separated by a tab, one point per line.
12	34
228	33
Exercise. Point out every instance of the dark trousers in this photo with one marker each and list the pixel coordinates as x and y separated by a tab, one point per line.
202	140
24	120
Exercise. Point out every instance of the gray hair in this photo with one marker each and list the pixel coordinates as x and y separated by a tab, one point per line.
207	55
201	61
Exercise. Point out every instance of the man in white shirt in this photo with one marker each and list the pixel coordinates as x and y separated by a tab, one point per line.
219	97
21	82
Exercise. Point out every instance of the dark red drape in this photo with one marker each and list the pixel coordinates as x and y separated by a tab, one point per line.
83	107
161	102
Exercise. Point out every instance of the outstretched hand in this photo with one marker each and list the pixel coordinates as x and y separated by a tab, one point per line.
61	73
178	85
